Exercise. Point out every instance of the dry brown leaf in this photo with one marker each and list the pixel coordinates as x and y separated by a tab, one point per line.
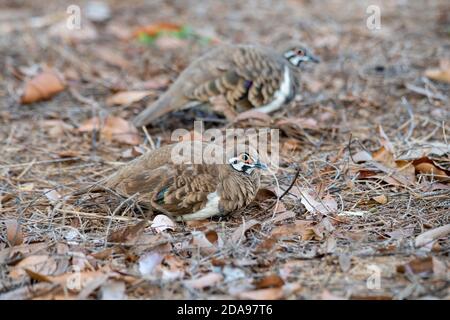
428	167
127	97
200	241
263	294
112	57
41	264
326	205
264	194
424	266
302	228
284	216
441	74
381	199
172	268
270	281
239	233
291	144
156	28
13	232
209	280
133	152
303	123
112	129
128	234
163	223
431	235
256	118
42	87
56	128
156	83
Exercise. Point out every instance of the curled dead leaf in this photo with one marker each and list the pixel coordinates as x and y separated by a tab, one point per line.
381	199
310	200
441	74
269	281
239	233
127	97
112	129
163	223
13	232
42	87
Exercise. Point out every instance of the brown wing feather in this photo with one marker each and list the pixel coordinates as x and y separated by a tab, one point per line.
236	72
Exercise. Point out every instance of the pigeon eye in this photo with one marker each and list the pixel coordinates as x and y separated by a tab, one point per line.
245	157
300	52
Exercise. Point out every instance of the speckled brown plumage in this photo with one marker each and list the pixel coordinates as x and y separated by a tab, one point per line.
247	76
183	189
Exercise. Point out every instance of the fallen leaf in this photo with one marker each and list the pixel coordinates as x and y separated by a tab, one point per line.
157	28
441	74
52	195
427	167
256	118
56	128
172	268
156	83
127	97
239	233
42	87
14	233
112	129
200	241
291	144
133	152
424	267
208	280
284	216
303	123
270	281
262	294
112	57
303	228
431	235
325	206
163	223
381	199
264	194
41	264
128	234
149	262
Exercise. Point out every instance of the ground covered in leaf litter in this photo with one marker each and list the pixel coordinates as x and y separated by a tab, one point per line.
367	217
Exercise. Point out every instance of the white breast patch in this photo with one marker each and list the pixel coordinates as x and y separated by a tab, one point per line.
211	209
280	95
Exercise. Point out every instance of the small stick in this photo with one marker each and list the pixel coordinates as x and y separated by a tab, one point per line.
292	184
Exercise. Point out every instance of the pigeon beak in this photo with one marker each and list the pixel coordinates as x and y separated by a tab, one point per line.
261	165
313	58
